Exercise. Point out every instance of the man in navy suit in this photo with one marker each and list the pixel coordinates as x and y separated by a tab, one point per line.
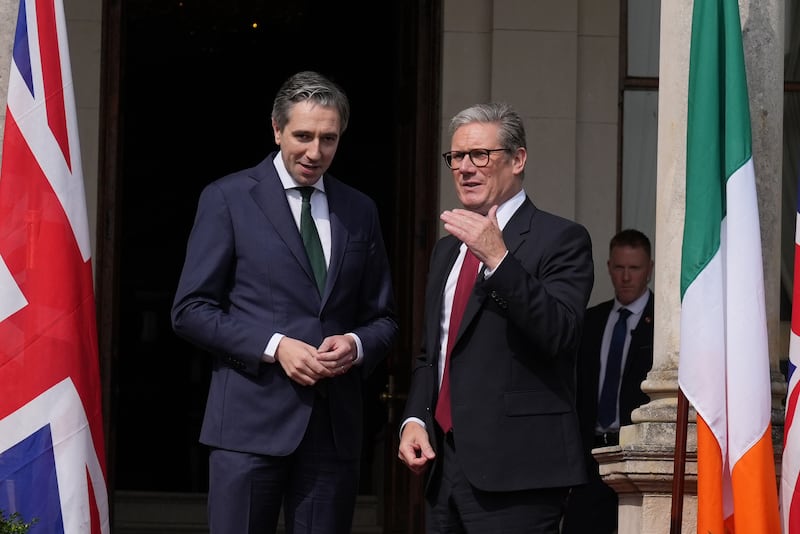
593	507
290	350
508	451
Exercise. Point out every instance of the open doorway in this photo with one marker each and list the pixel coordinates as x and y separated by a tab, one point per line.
195	84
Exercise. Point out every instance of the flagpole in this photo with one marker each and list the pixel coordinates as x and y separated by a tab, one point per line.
679	463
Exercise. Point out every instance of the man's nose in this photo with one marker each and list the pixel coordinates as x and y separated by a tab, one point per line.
312	150
466	164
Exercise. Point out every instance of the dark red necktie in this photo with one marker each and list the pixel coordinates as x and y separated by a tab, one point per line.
466	280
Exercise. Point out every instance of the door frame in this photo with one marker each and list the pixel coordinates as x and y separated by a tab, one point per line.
416	207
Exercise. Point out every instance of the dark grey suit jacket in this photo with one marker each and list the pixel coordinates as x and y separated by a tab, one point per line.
247	276
513	365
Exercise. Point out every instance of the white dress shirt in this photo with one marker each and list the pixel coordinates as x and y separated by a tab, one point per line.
321	215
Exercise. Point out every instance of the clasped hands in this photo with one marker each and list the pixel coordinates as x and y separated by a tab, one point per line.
306	364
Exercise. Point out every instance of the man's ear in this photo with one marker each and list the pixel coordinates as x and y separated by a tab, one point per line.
520	156
276	132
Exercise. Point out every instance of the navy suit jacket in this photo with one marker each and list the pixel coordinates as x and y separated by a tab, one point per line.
637	364
247	276
513	364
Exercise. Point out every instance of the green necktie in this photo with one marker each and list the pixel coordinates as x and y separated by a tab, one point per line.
308	230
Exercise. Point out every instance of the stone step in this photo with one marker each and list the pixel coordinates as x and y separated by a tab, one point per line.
138	512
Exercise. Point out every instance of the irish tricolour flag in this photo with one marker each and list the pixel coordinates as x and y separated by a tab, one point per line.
724	359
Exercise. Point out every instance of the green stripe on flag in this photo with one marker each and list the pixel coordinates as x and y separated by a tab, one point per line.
718	129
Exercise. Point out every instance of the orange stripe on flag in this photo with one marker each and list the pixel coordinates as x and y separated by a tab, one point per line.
753	501
755	497
709	481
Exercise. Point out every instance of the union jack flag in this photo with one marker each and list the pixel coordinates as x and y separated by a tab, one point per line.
790	466
52	457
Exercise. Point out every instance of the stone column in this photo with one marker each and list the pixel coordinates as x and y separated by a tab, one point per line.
640	469
8	19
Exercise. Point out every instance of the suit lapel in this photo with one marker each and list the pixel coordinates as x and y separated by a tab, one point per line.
338	209
514	235
519	226
594	339
269	195
643	333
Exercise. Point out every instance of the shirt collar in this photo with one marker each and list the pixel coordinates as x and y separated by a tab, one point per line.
286	178
636	307
508	208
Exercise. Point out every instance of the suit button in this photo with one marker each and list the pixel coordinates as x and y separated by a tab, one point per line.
499	300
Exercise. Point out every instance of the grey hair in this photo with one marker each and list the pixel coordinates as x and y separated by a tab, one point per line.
313	87
511	134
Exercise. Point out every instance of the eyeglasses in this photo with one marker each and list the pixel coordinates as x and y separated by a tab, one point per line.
478	156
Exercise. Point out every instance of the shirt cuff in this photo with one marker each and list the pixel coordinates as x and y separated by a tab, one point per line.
487	272
411	420
359	348
272	347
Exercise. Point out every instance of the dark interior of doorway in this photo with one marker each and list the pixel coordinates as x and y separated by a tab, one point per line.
198	77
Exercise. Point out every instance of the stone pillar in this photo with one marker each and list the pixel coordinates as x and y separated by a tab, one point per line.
8	19
640	469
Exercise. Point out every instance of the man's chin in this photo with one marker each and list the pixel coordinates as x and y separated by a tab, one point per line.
472	204
308	178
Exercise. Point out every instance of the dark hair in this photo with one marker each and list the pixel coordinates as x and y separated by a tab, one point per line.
630	238
314	87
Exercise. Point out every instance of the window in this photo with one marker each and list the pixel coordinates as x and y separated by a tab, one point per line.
639	115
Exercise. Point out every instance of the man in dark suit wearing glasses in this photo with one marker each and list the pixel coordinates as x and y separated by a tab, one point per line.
490	416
